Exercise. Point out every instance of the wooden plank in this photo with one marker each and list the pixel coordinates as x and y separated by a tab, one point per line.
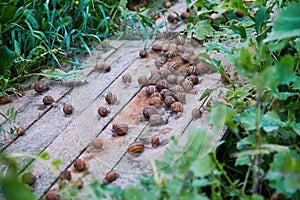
72	141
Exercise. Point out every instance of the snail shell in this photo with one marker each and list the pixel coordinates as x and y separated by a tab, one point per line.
40	87
102	67
172	79
28	178
143	80
187	85
173	47
47	100
181	48
143	54
150	89
5	99
154	72
162	84
169	100
180	96
155	101
51	195
180	40
120	129
156	119
177	88
103	111
20	131
196	113
68	109
126	78
80	164
111	176
156	47
180	79
97	143
194	60
136	147
158	63
173	66
156	94
191	70
185	57
169	54
166	47
110	98
65	175
177	107
164	72
149	110
155	78
165	93
155	142
194	79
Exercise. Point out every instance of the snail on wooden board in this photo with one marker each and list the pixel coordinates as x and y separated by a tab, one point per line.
40	87
68	109
136	147
80	164
120	129
149	110
110	98
103	111
47	100
155	141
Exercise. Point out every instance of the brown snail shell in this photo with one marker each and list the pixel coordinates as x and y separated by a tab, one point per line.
191	70
47	100
149	110
156	119
180	40
68	109
28	178
65	175
187	85
126	78
80	164
143	80
5	99
155	71
194	79
165	93
196	113
156	94
154	79
101	66
177	88
172	79
120	129
156	47
173	66
169	100
185	57
166	47
194	60
155	101
181	48
40	87
97	143
103	111
180	79
184	15
167	4
150	89
173	47
158	63
162	84
21	131
110	98
51	195
155	142
169	54
177	107
136	147
111	176
164	72
143	54
180	96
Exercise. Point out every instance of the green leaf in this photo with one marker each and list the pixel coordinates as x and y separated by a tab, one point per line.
45	155
297	44
285	70
261	17
253	197
284	173
56	163
243	160
205	94
296	127
202	167
202	29
286	24
247	118
271	121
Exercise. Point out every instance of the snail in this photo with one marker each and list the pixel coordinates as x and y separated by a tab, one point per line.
158	63
169	54
97	143
156	119
126	78
149	110
120	129
40	87
20	131
150	89
165	93
103	111
143	54
155	101
5	99
194	60
191	70
162	84
154	79
155	142
110	98
51	195
185	57
102	67
180	96
196	113
184	15
173	47
167	4
187	85
80	164
165	46
180	40
136	147
156	94
164	72
143	80
154	72
172	66
177	88
47	100
65	175
172	79
156	47
180	48
111	176
193	78
180	79
169	100
28	178
68	109
177	107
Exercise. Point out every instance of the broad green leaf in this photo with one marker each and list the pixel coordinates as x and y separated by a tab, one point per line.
253	197
271	121
243	160
297	42
59	75
284	173
296	127
44	155
296	85
285	70
202	29
247	119
286	24
202	167
261	17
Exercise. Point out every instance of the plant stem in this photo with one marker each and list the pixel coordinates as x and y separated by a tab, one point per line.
186	178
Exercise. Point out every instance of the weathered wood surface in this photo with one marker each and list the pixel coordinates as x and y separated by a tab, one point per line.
68	137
